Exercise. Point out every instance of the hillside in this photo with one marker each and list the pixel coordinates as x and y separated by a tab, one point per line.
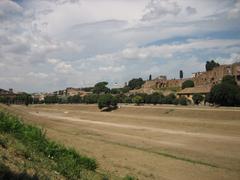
25	153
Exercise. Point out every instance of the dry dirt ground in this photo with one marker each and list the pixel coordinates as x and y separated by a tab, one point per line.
149	142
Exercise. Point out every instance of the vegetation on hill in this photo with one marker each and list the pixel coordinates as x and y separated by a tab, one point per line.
197	98
101	88
187	84
180	74
211	64
107	102
135	83
34	146
227	93
137	100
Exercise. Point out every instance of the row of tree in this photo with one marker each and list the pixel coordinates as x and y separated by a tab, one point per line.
18	99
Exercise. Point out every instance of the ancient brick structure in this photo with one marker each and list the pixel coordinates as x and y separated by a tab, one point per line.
215	76
207	78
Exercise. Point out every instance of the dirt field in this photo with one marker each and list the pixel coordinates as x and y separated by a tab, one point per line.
150	142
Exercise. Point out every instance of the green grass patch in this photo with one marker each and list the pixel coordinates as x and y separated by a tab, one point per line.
68	162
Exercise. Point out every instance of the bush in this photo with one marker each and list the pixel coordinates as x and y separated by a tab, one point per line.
90	99
183	101
170	99
229	80
107	101
101	87
211	64
187	84
197	98
135	83
137	100
127	99
127	177
225	94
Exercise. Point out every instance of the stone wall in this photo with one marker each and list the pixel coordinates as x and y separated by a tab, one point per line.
208	78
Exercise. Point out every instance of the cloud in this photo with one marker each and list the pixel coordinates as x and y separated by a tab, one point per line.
160	8
63	67
191	10
46	44
38	75
112	69
235	11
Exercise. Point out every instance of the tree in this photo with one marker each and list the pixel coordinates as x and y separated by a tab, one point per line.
229	80
150	77
90	99
187	84
137	100
155	98
107	102
51	99
211	64
135	83
74	99
100	88
225	94
197	98
170	99
181	74
183	101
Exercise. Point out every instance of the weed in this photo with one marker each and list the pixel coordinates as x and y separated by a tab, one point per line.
3	142
68	162
127	177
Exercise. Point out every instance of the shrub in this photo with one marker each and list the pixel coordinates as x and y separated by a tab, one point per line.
127	177
229	80
127	99
135	83
90	99
107	101
211	64
225	94
137	100
187	84
197	98
183	101
68	162
170	99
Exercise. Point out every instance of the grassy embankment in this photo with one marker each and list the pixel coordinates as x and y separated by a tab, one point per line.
26	153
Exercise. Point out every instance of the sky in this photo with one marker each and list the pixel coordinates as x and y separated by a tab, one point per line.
48	45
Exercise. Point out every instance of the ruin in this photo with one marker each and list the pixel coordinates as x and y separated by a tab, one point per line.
202	80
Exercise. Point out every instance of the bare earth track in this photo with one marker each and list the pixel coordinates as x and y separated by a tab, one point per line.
149	142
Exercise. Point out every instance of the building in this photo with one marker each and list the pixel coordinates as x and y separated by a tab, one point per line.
75	91
204	81
216	75
189	92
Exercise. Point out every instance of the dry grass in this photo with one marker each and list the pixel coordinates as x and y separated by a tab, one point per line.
153	142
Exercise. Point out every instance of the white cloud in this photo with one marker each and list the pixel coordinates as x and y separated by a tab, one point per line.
53	61
38	75
63	67
46	44
112	69
160	8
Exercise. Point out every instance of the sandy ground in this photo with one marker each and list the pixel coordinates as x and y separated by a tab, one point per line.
150	142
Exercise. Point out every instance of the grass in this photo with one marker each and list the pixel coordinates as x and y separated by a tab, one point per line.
33	141
166	154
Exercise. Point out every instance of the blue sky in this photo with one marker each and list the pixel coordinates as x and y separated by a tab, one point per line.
47	45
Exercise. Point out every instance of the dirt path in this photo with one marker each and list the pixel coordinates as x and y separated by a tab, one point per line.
137	127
